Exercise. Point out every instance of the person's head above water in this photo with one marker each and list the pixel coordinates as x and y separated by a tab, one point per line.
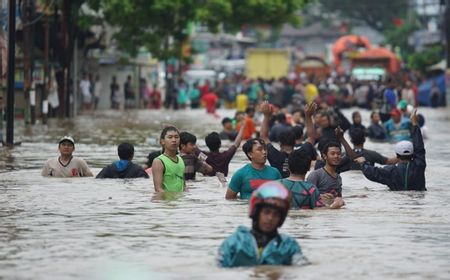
213	141
188	142
256	150
404	150
268	206
170	138
125	151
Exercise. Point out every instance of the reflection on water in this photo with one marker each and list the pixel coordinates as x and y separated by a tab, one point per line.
115	229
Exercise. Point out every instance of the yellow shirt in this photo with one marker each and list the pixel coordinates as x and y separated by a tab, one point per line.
241	102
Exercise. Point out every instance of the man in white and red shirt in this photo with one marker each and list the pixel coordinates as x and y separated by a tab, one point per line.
66	165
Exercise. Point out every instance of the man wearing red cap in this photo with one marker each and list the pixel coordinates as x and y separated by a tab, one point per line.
398	127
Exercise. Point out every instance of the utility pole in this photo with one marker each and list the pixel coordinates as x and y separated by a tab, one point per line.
11	73
27	58
447	50
46	69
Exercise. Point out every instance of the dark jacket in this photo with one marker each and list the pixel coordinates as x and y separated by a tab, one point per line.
122	169
402	176
377	132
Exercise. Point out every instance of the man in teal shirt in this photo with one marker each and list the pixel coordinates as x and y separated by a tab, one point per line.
253	174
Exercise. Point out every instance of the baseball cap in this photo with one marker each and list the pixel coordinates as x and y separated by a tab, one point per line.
404	148
402	105
67	138
396	112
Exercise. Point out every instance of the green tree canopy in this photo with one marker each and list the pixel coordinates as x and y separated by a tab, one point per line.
155	23
379	15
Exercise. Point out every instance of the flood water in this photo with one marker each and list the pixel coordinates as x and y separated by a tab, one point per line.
84	228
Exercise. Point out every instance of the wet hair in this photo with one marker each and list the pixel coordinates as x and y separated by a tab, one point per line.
324	113
248	146
358	136
249	110
299	162
166	130
408	157
125	151
297	111
151	156
354	114
238	113
186	137
281	117
287	138
373	113
327	145
226	120
213	141
298	131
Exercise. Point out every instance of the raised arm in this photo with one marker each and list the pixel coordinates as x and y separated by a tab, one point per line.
417	140
348	150
266	109
238	140
158	174
310	109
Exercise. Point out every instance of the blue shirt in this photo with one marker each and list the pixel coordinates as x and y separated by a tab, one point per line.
240	249
398	132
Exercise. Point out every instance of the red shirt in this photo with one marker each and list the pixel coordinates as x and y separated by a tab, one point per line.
210	100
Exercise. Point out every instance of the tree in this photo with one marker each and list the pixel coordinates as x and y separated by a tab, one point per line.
379	15
160	25
422	60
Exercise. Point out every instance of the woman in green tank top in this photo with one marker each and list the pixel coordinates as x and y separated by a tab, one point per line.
168	169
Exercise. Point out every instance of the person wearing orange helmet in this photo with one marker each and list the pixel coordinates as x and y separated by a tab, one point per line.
262	244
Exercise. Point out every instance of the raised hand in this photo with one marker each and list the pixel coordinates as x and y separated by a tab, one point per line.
413	117
310	109
266	108
339	133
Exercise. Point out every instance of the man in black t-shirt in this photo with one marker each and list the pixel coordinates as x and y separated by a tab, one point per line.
279	158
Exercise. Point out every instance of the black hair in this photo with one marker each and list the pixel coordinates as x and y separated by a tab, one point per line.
357	136
354	114
151	156
238	113
248	146
249	110
287	138
213	141
125	151
167	129
225	120
327	145
186	137
297	111
324	113
298	131
373	113
299	162
408	157
281	117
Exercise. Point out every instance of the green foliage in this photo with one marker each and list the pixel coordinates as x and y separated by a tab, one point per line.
379	14
421	61
154	23
398	37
